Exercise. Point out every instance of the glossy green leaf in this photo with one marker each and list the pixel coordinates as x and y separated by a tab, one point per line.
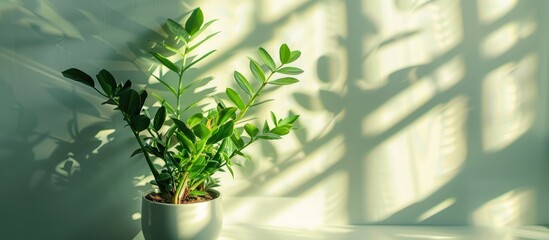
185	142
282	129
257	71
225	114
106	81
294	55
140	122
251	129
290	70
226	130
284	53
194	22
266	128
243	83
129	102
289	120
177	29
79	76
201	131
136	152
166	62
184	129
159	118
273	118
284	81
236	139
194	119
269	136
267	59
235	97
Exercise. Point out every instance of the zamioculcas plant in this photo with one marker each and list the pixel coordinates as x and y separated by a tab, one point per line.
194	146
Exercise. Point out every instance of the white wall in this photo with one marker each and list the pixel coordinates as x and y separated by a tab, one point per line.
413	112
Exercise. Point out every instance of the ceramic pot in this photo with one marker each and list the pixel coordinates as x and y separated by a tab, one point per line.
164	221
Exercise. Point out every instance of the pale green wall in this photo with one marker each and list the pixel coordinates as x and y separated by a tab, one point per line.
414	112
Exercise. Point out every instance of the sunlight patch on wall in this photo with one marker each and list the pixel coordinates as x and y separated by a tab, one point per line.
436	209
510	209
503	39
408	101
324	202
491	10
416	161
403	37
509	99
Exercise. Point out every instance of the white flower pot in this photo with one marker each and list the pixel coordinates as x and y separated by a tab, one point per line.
164	221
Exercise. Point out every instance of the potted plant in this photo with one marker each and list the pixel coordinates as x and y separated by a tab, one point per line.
192	147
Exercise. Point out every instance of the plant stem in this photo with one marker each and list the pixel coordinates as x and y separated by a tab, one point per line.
256	94
176	197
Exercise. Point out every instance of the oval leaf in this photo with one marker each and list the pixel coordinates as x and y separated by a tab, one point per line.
194	22
129	102
284	81
140	122
243	83
251	129
165	61
225	114
294	55
79	76
267	59
106	81
237	100
284	53
201	131
159	118
177	29
290	70
257	71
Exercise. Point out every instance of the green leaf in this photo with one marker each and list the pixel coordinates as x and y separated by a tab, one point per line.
184	128
225	114
269	136
273	118
198	60
267	59
235	97
266	128
163	177
106	81
204	27
284	53
79	76
177	29
257	71
164	103
166	62
167	85
194	22
226	130
237	140
137	151
197	193
185	142
142	97
251	129
290	70
201	131
140	122
243	83
289	120
294	55
129	102
230	170
194	119
282	129
284	81
159	118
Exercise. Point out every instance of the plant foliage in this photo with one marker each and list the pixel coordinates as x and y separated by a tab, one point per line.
194	148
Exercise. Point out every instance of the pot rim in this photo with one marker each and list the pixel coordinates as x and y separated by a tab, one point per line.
144	197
